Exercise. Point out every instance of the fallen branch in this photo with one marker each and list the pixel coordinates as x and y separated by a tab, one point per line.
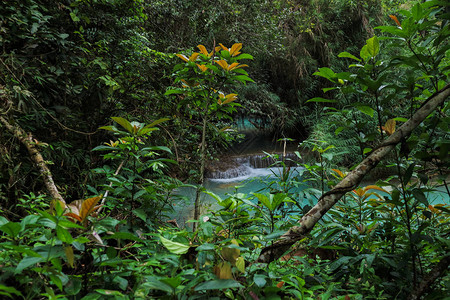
36	157
351	181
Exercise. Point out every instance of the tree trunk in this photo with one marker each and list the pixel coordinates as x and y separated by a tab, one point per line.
33	151
351	181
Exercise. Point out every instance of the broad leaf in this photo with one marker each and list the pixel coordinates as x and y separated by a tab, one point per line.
124	123
174	247
348	55
218	284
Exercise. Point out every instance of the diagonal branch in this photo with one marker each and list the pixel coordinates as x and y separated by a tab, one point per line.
33	151
351	181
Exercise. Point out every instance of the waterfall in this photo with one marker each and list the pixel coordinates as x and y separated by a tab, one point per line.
242	167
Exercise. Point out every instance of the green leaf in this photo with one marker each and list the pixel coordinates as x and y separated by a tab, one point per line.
7	291
366	109
174	247
154	123
420	196
122	235
174	91
11	228
140	213
373	46
205	247
326	73
124	123
348	55
26	262
260	280
64	235
154	284
218	284
320	99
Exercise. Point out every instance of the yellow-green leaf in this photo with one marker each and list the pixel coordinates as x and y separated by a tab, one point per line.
235	49
69	254
240	264
223	270
389	127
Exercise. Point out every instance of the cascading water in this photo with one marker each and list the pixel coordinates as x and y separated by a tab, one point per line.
239	168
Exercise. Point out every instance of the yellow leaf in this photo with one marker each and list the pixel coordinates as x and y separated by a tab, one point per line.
194	56
339	172
203	68
183	57
69	254
223	270
223	64
223	47
375	187
203	50
88	206
236	65
240	264
235	49
389	127
230	98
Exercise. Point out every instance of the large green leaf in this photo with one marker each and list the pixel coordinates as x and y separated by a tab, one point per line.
373	46
11	228
28	261
124	123
348	55
218	284
174	247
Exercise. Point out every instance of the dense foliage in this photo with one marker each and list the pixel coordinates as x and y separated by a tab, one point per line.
125	108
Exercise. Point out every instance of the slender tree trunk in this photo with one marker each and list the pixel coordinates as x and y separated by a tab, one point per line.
351	181
33	151
202	172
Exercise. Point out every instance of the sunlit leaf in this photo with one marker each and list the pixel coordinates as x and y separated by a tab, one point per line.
202	68
174	247
389	127
235	49
348	55
223	64
88	206
203	50
240	264
183	57
194	56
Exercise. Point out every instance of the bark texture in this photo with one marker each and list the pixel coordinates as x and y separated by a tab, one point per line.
351	181
33	151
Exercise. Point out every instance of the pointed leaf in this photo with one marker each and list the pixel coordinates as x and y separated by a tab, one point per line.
88	206
69	255
124	123
218	284
348	55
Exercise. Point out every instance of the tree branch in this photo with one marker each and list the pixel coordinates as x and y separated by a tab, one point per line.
438	271
351	181
27	141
